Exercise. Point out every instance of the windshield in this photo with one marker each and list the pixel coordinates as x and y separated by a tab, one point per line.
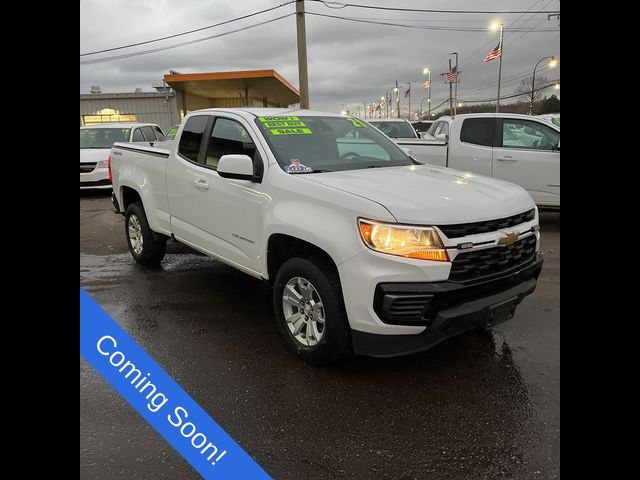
102	137
328	144
395	129
171	134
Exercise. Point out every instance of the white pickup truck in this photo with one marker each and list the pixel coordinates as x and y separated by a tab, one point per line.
519	148
366	251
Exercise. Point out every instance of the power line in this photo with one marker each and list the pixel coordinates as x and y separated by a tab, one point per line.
418	27
512	95
341	5
160	49
190	31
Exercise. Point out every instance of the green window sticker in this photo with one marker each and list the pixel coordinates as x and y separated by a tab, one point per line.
173	131
290	131
356	123
278	119
283	124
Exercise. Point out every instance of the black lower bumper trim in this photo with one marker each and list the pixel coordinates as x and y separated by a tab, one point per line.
96	183
463	309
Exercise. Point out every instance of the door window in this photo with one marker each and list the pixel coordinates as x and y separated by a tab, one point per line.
149	136
445	128
517	133
228	137
159	133
137	136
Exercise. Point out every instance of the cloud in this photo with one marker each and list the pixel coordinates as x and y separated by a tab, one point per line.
348	62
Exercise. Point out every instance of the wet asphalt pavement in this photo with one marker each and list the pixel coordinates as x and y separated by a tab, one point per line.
483	405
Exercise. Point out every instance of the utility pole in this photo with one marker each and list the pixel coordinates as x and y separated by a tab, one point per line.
500	67
397	99
450	93
364	108
455	101
302	55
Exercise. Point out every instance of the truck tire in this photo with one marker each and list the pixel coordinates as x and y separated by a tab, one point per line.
144	248
309	310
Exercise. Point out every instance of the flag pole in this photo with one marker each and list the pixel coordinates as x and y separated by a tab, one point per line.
450	92
455	101
409	101
500	67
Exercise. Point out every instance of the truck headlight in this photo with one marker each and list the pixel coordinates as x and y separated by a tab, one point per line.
103	163
403	240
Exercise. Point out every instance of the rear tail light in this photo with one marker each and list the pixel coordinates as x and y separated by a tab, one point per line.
109	166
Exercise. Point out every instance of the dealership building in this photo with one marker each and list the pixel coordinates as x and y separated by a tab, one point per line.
181	93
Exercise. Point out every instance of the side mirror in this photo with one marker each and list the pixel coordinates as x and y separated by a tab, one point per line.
441	136
406	150
238	167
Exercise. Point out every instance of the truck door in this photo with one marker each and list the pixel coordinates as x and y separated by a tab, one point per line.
470	145
220	216
527	153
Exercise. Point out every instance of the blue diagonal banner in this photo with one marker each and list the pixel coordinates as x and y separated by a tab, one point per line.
159	399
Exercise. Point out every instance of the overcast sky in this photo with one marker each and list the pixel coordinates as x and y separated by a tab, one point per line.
349	62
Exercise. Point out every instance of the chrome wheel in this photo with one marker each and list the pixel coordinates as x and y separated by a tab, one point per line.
135	234
303	311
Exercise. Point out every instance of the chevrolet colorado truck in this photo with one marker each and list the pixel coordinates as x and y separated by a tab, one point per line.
519	148
365	250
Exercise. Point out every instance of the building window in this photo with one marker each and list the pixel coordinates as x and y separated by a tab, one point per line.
107	115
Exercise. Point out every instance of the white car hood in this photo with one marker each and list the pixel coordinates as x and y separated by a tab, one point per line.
426	194
93	155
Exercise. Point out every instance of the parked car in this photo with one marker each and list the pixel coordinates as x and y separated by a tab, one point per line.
422	127
96	142
525	150
440	129
553	118
171	134
395	127
364	249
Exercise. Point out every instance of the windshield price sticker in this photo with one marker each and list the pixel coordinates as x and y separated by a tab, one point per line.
278	119
290	131
356	123
283	124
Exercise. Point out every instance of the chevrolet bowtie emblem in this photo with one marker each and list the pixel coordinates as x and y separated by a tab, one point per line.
508	239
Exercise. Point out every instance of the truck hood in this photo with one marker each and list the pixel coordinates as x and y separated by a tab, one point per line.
426	194
93	155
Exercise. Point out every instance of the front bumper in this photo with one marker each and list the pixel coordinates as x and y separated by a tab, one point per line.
450	308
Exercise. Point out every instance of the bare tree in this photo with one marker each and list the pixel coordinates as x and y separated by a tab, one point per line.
525	87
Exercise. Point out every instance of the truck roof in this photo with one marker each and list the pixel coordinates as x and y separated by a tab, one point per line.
272	112
119	125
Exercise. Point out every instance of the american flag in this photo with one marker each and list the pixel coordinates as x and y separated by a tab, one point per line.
407	93
426	84
495	53
452	76
382	102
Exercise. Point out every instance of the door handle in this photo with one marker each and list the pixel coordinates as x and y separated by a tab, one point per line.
202	184
507	158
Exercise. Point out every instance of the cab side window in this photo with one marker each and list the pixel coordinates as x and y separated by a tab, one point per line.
517	133
191	137
229	137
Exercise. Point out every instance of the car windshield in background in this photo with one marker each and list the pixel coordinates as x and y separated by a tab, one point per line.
171	134
328	144
395	129
102	137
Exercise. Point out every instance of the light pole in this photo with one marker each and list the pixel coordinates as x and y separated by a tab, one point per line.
552	63
426	71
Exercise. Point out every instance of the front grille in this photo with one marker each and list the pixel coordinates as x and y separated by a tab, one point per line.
484	263
464	229
87	167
